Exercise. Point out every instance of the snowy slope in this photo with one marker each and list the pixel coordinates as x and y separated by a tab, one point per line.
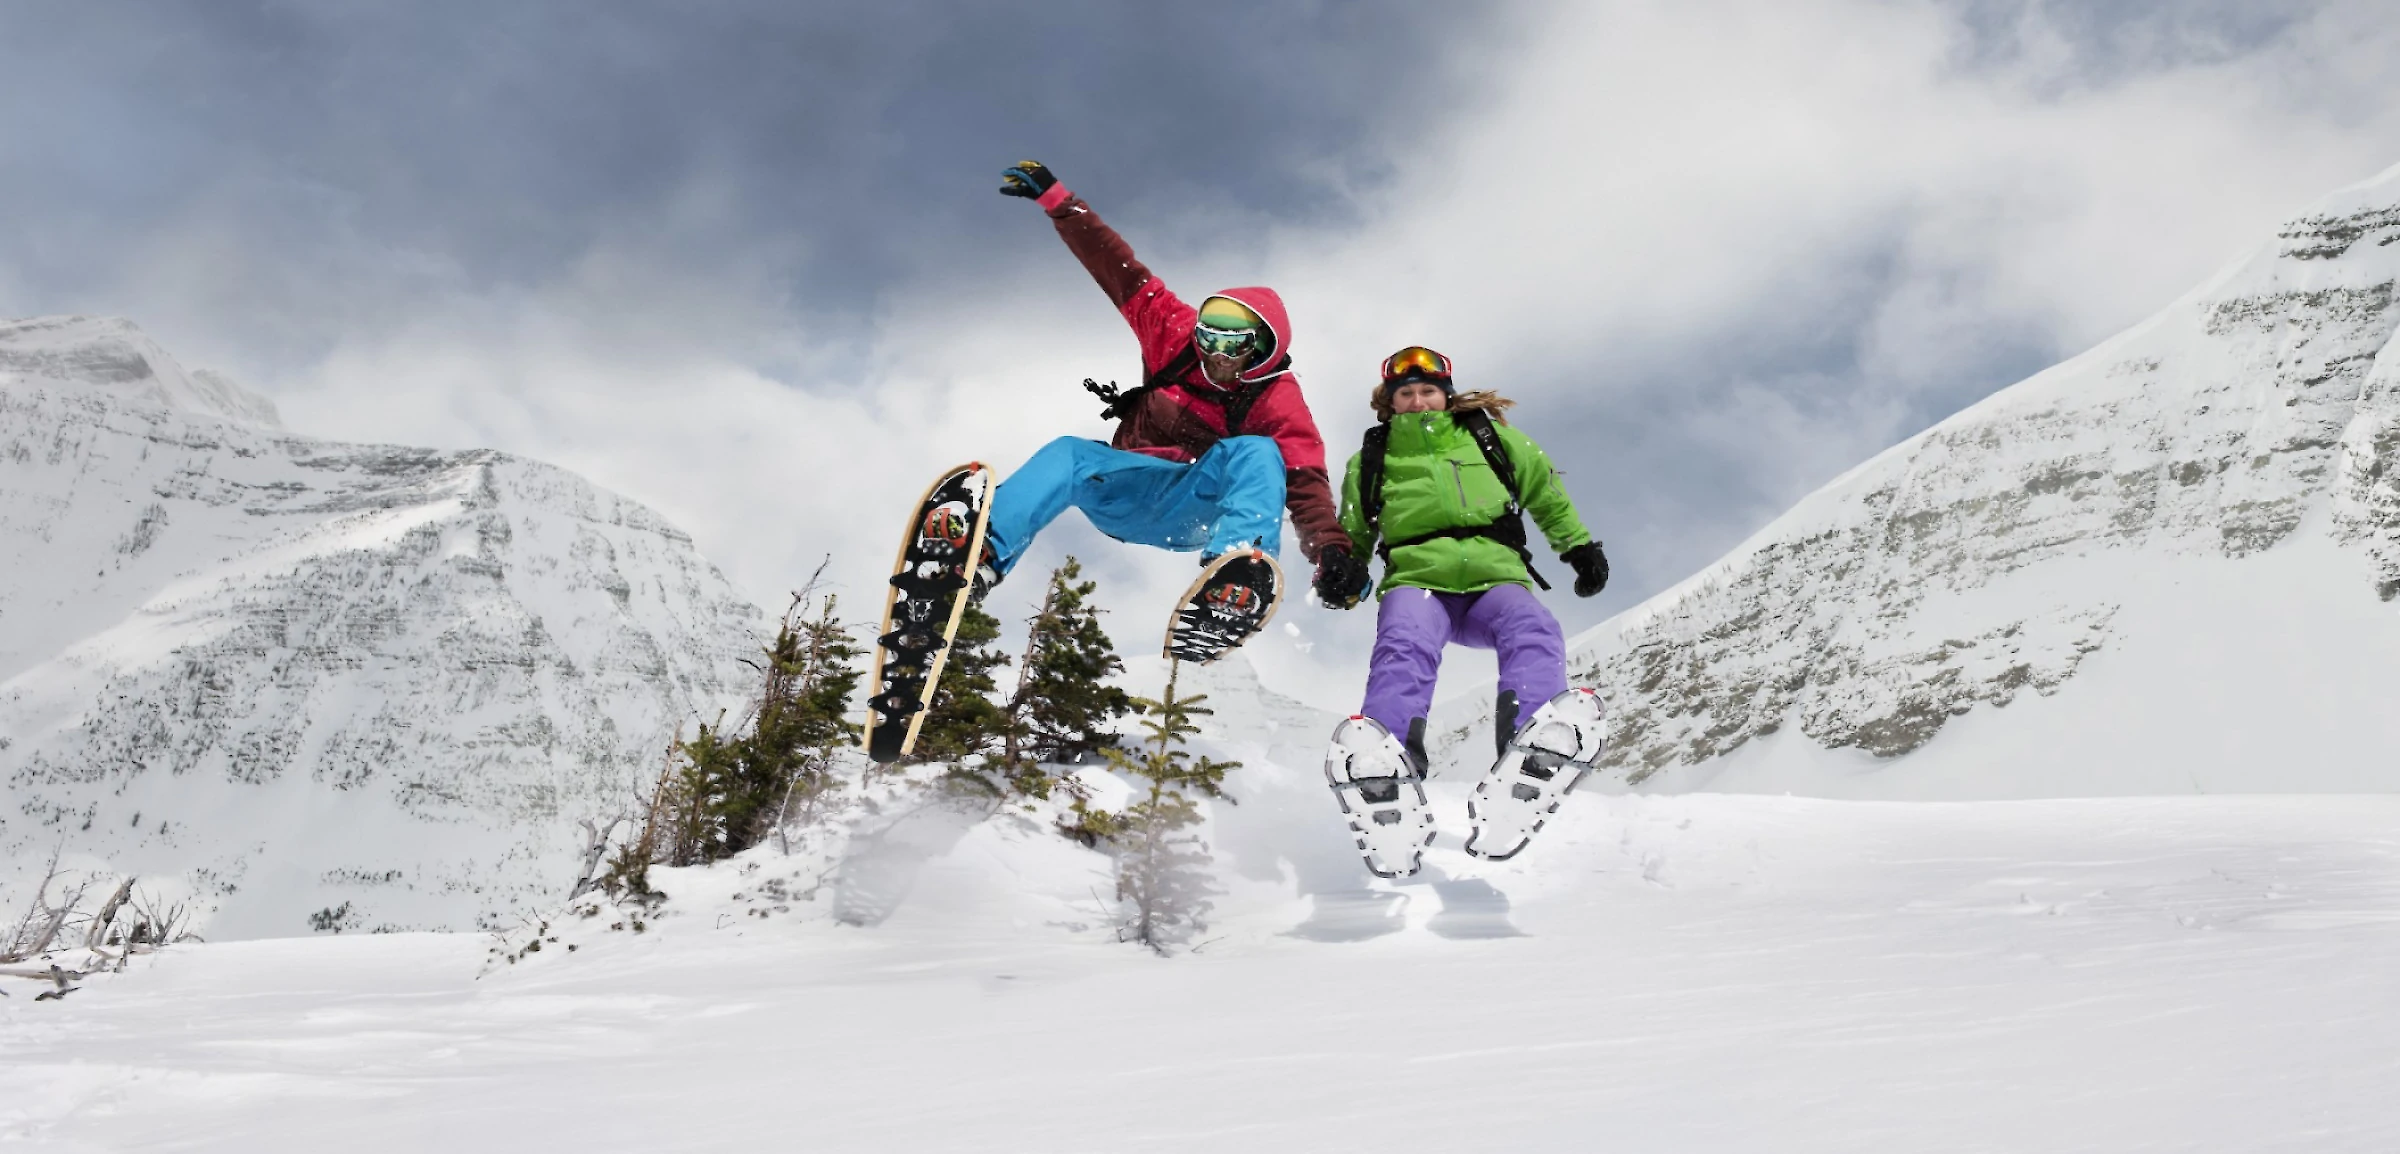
1675	973
2167	565
1693	973
300	675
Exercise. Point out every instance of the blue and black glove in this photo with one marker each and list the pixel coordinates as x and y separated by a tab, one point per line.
1342	580
1026	178
1591	567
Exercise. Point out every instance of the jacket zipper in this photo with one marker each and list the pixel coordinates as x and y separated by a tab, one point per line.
1458	477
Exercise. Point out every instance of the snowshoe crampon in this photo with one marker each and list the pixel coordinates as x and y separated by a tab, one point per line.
930	586
1235	597
1550	753
1382	793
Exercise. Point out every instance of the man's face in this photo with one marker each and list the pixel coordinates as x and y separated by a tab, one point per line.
1419	397
1225	349
1222	369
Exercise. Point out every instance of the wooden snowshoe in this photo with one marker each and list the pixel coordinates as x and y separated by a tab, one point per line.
1234	597
930	584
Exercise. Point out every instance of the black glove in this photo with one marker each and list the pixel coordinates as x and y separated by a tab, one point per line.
1591	567
1342	579
1026	178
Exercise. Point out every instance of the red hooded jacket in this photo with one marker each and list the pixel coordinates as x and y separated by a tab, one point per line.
1182	419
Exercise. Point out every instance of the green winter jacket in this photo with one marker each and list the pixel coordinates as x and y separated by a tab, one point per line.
1434	478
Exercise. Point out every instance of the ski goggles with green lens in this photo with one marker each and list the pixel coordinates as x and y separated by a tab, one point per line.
1218	342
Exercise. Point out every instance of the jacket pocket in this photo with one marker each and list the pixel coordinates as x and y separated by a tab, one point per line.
1481	496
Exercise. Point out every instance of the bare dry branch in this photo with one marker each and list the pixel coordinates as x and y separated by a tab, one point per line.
97	935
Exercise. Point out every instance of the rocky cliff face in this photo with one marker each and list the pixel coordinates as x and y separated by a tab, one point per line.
373	683
1999	554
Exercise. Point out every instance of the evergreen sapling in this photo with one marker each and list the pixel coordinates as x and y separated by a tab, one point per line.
728	788
1057	712
1164	881
962	720
1063	704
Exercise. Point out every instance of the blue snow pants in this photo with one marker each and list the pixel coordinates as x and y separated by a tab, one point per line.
1230	498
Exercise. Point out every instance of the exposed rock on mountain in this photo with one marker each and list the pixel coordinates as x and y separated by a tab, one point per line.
374	683
2189	536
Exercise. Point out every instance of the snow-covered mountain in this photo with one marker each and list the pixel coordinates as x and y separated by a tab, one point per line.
303	676
2166	565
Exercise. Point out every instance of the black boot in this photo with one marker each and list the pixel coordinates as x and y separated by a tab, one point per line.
984	574
1504	721
1415	744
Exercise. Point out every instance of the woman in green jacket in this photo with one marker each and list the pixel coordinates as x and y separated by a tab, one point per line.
1453	539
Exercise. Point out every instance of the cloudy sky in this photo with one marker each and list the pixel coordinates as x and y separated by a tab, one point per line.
744	261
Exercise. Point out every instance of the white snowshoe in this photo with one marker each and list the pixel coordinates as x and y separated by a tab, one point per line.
1381	789
1549	754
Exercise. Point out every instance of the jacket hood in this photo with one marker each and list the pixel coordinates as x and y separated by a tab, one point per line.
1269	307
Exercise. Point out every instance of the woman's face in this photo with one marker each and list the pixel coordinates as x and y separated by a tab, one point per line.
1419	397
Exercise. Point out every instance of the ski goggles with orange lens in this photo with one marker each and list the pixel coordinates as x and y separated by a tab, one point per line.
1416	361
1224	342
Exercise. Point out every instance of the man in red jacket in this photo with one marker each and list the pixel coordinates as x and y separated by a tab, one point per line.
1209	451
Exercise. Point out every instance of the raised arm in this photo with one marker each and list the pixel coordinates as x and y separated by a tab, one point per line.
1159	318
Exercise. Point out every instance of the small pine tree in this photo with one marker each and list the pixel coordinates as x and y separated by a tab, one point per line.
1063	702
803	719
963	720
727	789
693	799
1058	709
1163	877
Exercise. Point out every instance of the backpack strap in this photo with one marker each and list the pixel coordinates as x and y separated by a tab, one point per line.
1237	407
1184	361
1478	425
1487	438
1370	479
1118	404
1508	528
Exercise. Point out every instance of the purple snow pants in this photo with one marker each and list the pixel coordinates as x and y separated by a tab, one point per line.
1412	625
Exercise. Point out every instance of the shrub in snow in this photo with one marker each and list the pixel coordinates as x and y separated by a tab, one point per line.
1164	881
724	791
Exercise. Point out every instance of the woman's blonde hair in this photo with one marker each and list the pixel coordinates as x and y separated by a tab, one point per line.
1483	399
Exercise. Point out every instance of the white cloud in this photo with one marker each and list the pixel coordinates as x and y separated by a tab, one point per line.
1646	193
1776	237
1650	172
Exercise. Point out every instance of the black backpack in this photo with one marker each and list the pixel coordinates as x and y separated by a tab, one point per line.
1508	528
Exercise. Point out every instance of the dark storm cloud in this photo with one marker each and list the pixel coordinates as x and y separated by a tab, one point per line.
855	143
2096	40
719	255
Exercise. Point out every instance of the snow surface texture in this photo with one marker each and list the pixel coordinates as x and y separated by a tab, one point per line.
2173	559
1677	973
303	677
1659	973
